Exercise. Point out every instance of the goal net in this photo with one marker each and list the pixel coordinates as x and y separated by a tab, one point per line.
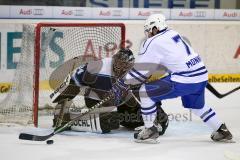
45	48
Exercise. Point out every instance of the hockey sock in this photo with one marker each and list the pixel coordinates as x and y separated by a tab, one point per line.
208	116
149	119
148	108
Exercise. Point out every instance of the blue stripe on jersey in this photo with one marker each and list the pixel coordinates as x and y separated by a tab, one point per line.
153	39
192	73
135	77
213	114
134	70
144	42
197	74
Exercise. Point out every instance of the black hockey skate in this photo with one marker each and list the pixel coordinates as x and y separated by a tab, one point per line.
161	121
147	135
222	135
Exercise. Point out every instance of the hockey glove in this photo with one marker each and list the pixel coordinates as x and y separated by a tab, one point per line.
119	90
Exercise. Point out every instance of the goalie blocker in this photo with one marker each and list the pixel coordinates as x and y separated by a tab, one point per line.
98	77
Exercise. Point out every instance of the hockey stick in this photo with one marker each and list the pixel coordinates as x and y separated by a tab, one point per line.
217	94
31	137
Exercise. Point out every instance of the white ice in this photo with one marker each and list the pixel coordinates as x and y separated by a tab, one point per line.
184	140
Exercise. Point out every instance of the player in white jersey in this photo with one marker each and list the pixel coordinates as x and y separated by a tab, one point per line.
187	78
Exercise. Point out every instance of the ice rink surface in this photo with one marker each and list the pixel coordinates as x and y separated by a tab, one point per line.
187	138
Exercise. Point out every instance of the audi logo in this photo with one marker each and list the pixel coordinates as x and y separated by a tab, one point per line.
200	14
117	13
79	12
38	12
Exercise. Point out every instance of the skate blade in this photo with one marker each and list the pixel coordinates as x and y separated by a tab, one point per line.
147	141
226	141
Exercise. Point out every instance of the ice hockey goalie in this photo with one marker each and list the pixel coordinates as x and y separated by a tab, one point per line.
97	77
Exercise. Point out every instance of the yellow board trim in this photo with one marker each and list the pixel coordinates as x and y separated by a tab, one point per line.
4	87
223	78
212	78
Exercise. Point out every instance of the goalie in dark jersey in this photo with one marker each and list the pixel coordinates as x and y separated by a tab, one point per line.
97	78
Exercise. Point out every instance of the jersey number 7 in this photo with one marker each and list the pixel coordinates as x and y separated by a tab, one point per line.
177	39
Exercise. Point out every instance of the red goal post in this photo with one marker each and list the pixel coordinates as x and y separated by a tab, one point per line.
38	49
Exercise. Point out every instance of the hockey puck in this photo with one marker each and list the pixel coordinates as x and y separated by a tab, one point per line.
50	141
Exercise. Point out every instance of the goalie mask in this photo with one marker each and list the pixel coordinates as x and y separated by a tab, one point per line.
122	62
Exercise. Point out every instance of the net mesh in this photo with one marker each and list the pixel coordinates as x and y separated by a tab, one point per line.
59	45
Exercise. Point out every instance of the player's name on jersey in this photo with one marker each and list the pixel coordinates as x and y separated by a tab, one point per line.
193	61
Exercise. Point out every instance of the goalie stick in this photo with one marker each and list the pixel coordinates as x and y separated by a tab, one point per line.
31	137
219	95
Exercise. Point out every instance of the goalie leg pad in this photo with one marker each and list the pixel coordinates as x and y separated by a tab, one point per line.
96	122
67	90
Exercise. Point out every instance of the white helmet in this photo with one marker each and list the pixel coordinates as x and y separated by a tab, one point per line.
155	20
